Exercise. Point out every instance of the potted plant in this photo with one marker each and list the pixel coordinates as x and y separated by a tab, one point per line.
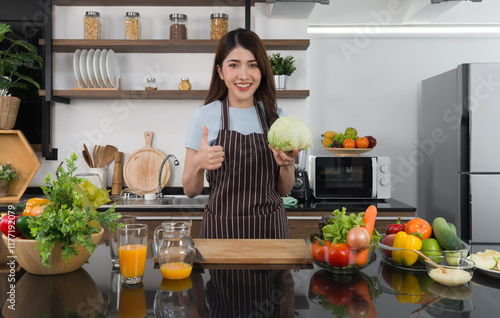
7	175
14	53
60	234
282	68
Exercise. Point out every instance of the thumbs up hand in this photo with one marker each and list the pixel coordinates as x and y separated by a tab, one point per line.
209	157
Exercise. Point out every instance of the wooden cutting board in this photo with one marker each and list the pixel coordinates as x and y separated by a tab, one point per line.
143	166
254	251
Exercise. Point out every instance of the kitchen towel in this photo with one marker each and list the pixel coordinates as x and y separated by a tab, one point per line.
290	202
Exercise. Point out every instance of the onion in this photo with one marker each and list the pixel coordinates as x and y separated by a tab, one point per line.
358	236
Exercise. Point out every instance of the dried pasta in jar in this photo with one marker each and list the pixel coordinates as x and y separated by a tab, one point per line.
132	26
92	25
218	25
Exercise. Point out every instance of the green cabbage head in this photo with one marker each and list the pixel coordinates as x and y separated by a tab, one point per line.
288	132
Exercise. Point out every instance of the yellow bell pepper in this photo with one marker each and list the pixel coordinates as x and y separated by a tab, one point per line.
33	202
406	242
407	285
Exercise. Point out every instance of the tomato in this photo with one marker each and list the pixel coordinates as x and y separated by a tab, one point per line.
319	285
349	143
320	252
8	225
418	225
339	295
339	255
362	142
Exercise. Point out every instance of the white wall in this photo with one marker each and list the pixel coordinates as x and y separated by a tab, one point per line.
376	90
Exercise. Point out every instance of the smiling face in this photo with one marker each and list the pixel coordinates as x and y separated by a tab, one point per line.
242	76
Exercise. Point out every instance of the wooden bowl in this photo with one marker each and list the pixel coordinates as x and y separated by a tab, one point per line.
29	258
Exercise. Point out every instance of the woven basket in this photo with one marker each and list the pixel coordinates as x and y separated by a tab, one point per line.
9	106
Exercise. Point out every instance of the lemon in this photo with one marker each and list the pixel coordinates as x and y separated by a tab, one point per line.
329	134
326	142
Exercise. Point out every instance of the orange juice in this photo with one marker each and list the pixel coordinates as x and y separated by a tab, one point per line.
132	260
132	303
176	285
176	270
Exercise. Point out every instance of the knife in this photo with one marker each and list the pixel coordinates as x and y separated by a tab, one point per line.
198	257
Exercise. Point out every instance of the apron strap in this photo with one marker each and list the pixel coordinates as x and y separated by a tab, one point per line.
225	114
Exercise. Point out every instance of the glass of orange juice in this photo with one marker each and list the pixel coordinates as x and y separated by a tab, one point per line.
132	248
132	302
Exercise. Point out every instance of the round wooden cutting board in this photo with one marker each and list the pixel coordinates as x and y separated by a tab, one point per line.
143	166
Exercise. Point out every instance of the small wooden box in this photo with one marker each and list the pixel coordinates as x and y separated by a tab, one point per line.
14	148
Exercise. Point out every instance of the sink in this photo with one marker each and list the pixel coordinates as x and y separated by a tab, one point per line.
166	201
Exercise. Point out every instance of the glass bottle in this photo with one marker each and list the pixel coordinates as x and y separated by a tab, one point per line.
178	26
218	25
132	26
185	85
92	25
174	249
151	84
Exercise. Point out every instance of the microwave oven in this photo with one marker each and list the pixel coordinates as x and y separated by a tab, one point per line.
339	177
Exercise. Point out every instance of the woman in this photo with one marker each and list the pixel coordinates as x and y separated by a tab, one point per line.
228	138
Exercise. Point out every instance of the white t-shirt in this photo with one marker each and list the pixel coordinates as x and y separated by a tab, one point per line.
243	120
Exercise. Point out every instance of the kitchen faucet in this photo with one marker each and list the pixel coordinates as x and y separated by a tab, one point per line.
176	162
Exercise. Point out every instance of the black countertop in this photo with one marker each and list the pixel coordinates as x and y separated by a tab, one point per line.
94	291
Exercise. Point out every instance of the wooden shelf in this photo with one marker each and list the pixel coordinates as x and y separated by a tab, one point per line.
185	3
165	46
160	94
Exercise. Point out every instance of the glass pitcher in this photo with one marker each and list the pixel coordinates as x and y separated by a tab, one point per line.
174	249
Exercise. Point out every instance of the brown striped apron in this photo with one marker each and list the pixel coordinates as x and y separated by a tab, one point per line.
243	201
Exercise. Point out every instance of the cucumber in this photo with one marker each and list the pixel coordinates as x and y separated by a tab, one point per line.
452	227
445	235
484	261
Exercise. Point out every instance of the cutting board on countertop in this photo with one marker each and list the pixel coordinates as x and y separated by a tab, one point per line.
254	251
142	167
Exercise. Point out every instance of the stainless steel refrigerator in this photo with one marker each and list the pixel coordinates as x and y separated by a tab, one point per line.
458	155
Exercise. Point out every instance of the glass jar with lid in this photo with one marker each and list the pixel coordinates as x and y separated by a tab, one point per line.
178	26
185	85
218	25
151	84
92	25
132	26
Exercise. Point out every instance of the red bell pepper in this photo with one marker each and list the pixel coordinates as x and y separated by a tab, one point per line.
9	227
395	228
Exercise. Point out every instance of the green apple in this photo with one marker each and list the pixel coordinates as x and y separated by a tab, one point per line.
432	249
452	258
351	131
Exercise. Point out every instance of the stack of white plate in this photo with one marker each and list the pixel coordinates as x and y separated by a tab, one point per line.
94	68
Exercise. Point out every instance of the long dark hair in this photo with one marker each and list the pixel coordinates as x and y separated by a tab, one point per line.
266	92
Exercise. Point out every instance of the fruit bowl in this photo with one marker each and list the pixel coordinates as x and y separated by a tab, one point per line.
386	253
348	152
342	260
29	257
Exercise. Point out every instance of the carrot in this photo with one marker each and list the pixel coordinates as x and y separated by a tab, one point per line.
369	219
361	289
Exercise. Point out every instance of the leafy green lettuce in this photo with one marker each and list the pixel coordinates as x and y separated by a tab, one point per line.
340	224
288	132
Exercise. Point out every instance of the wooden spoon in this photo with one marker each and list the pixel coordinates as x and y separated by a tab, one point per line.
444	270
94	154
100	155
87	156
109	155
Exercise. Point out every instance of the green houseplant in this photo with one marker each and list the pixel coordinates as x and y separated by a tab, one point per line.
14	54
282	67
7	175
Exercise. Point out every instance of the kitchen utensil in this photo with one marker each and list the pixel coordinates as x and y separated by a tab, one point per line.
113	69
86	158
102	67
100	155
76	67
109	155
95	66
117	183
87	154
253	251
90	68
142	167
83	67
94	155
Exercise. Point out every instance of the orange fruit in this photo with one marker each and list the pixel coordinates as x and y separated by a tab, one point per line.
349	143
362	142
326	142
